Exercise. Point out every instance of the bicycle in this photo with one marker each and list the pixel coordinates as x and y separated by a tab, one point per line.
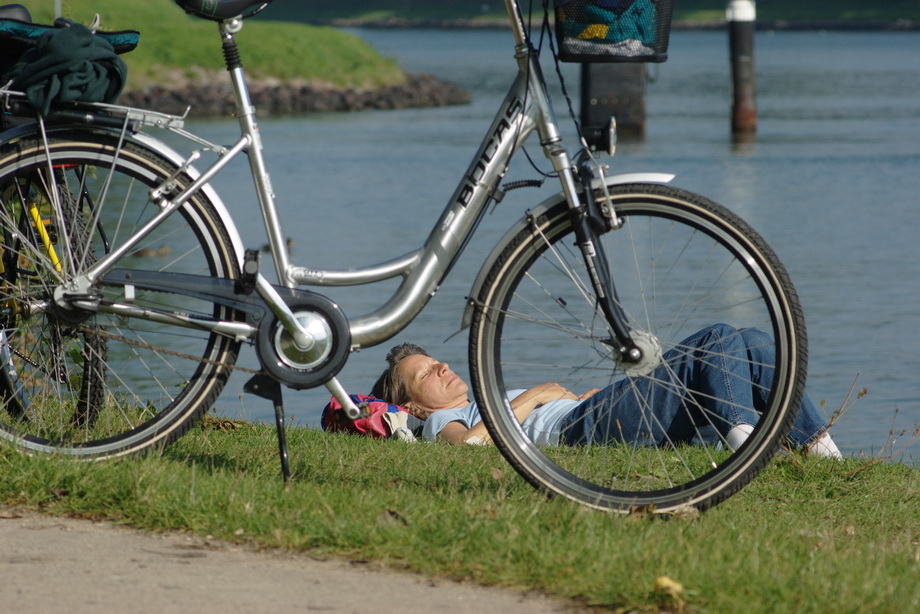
110	348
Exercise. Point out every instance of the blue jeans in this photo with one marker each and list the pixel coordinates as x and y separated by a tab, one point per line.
730	373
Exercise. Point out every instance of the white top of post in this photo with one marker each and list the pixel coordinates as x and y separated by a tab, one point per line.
741	10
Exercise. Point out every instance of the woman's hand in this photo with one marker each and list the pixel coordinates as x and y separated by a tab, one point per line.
542	394
589	394
522	406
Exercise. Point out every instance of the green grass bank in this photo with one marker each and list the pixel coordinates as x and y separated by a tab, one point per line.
687	11
280	45
174	45
808	535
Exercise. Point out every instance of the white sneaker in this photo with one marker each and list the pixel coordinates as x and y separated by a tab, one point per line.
825	447
738	435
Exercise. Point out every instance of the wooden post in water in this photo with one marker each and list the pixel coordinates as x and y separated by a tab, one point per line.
617	90
741	15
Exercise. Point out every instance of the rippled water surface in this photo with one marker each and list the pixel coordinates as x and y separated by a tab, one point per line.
832	182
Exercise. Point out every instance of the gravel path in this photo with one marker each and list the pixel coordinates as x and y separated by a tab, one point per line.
51	565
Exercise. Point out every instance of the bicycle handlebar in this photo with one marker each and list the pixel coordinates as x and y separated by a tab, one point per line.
219	10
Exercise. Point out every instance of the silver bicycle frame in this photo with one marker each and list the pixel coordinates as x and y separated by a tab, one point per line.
525	109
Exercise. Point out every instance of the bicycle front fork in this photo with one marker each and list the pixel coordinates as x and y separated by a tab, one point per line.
595	218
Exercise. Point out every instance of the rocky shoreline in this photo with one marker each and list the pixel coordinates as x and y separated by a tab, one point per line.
209	95
502	24
212	97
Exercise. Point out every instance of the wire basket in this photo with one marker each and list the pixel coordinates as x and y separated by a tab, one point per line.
613	30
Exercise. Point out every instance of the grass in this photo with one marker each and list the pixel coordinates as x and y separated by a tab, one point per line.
793	10
174	45
808	535
684	10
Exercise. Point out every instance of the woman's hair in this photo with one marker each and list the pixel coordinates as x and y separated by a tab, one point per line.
389	386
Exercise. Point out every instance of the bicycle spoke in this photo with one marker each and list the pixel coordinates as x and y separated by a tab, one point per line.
691	280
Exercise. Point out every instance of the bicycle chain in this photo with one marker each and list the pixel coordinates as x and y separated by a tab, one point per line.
147	346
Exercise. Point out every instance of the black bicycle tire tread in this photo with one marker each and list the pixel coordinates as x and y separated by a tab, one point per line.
93	142
625	191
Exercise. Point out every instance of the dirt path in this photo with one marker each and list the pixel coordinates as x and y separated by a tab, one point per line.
54	565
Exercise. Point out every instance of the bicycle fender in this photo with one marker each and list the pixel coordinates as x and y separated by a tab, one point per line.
144	140
522	223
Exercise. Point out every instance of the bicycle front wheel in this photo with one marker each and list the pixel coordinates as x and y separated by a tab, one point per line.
685	271
104	382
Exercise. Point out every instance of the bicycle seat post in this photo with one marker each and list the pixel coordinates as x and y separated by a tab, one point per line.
246	114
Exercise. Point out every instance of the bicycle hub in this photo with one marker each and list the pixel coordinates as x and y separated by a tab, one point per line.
309	352
316	357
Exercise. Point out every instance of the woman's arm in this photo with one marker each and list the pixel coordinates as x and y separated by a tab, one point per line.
522	406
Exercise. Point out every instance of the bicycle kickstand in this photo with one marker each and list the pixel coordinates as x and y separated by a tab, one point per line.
268	388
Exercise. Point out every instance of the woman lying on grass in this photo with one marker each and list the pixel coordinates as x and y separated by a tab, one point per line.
621	412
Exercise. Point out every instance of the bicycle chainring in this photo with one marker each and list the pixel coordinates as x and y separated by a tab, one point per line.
306	367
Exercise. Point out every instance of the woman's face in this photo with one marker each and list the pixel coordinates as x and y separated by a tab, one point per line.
431	385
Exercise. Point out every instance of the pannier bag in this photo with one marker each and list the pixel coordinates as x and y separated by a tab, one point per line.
613	30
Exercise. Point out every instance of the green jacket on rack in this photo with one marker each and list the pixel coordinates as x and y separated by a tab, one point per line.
69	64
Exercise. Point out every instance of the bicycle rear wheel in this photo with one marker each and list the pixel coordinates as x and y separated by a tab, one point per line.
87	383
680	264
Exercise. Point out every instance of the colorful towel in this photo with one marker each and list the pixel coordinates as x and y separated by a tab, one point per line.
609	20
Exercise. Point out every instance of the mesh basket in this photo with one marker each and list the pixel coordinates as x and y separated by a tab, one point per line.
613	30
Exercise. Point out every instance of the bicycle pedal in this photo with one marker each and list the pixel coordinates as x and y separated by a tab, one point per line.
247	281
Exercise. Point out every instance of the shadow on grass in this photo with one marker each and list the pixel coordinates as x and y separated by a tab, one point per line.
336	459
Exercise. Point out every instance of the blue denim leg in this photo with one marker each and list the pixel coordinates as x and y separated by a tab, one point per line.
808	424
718	364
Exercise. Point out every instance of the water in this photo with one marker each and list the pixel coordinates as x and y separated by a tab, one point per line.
832	182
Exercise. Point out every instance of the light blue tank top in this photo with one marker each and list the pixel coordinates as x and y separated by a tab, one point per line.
542	426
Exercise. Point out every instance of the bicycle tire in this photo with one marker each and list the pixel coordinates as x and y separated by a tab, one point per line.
91	394
679	264
91	384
